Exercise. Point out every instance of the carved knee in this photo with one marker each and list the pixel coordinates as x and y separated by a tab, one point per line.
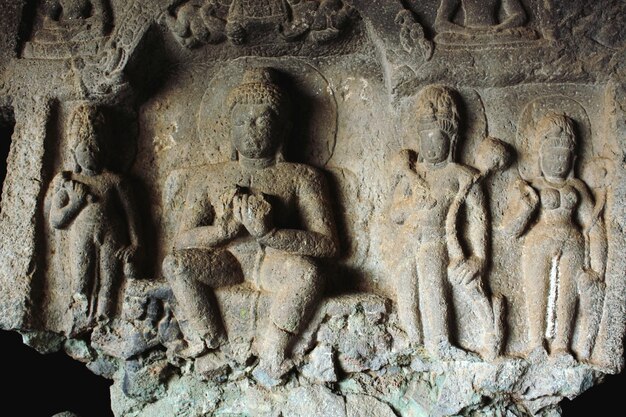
295	300
174	266
308	277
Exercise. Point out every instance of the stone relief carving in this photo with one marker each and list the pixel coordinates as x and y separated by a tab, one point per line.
430	189
564	250
65	28
95	207
480	24
199	22
245	292
279	212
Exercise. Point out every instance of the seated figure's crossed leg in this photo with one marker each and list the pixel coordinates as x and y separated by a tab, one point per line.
296	285
193	274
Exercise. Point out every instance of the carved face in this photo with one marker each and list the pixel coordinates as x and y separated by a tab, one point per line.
434	145
556	162
88	156
256	130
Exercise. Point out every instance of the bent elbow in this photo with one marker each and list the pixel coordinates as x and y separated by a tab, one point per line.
331	248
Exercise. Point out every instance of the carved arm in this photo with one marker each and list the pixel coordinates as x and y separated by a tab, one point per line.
516	220
515	15
445	15
132	214
67	202
193	234
594	230
318	238
478	221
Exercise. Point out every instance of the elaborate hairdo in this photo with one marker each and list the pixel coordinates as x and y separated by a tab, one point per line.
436	109
84	126
258	87
555	130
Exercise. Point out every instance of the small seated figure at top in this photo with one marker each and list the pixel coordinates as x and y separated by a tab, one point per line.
72	20
256	217
482	22
248	19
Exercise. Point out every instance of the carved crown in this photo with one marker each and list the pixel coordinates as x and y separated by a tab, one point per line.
436	109
258	87
556	130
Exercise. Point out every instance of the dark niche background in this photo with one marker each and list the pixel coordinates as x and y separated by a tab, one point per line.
43	385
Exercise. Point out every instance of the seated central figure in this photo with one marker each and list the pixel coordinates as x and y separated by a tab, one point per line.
279	209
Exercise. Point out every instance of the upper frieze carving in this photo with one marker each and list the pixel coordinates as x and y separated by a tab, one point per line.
199	22
65	28
478	22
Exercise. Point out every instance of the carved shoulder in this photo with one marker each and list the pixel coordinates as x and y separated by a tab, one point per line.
306	176
403	160
467	175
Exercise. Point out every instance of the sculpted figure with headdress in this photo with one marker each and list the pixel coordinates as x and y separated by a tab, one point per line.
430	190
96	208
556	218
256	218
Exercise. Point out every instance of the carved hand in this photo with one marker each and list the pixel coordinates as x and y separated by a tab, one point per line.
236	33
465	271
255	213
228	224
128	254
589	280
528	195
76	190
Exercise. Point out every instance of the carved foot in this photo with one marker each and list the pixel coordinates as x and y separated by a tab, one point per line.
212	366
562	357
490	350
537	352
445	351
190	349
270	373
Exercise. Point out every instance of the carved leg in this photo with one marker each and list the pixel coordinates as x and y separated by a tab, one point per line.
536	264
591	293
83	269
432	264
192	274
569	267
407	298
110	278
297	285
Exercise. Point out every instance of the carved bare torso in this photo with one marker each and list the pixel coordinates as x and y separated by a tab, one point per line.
558	218
101	216
423	198
480	13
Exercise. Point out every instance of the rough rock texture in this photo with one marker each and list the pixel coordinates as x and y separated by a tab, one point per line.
318	207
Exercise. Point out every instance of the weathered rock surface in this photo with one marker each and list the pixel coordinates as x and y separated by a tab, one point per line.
318	207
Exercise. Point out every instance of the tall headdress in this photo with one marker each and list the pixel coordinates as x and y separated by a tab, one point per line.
436	109
85	126
555	130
